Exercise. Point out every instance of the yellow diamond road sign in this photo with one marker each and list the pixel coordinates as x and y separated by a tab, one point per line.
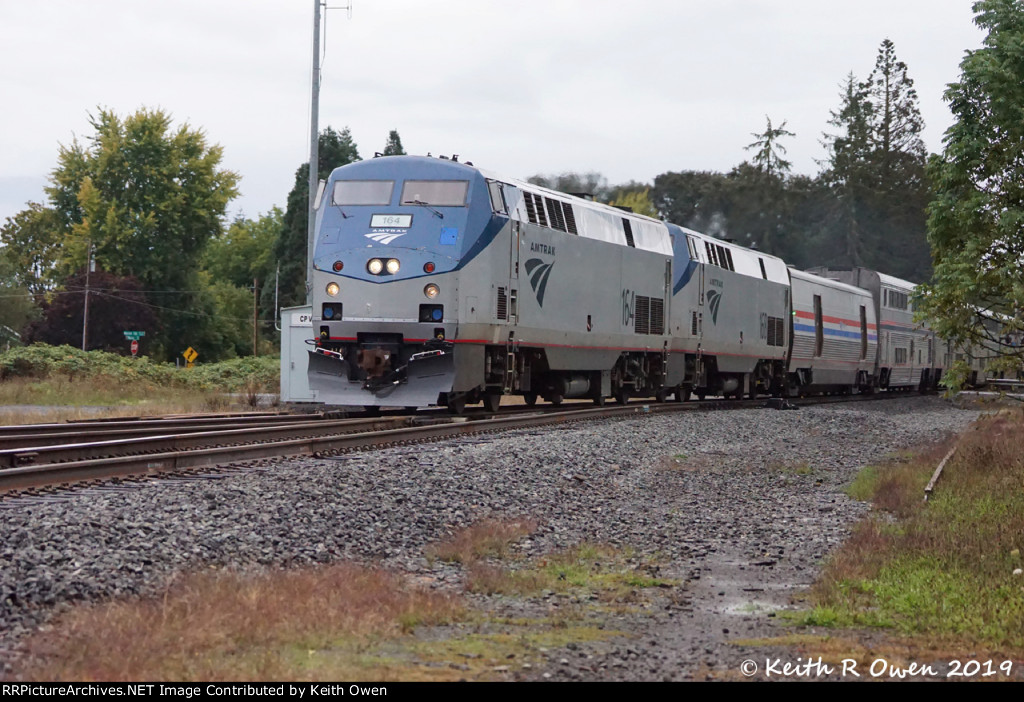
190	354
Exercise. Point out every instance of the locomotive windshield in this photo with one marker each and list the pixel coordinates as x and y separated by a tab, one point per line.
363	192
440	193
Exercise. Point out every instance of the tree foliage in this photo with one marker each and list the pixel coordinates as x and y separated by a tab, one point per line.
592	184
16	306
638	201
768	151
32	245
143	198
245	250
976	219
141	194
116	304
394	145
875	172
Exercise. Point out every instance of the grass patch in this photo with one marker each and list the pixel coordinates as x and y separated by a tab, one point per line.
348	622
61	376
317	624
41	362
940	571
588	571
489	538
792	468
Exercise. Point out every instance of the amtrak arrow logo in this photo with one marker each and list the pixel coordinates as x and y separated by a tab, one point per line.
384	237
714	300
539	273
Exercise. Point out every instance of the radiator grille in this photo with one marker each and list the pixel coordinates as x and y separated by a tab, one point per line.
502	304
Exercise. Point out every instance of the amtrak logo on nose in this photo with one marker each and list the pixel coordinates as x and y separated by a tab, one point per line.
384	237
539	273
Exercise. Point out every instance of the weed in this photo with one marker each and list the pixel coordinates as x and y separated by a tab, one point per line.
219	626
941	569
489	538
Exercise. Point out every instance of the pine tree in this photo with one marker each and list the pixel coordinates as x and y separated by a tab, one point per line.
768	159
394	145
849	175
875	171
336	149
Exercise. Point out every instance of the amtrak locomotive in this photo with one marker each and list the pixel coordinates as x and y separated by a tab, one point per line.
437	283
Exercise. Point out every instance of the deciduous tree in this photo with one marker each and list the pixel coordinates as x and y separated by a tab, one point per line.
32	243
144	197
116	304
976	219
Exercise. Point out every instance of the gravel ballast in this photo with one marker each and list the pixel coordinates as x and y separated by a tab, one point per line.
741	506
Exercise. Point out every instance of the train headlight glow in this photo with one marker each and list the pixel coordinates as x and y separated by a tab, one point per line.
431	291
333	289
393	265
375	266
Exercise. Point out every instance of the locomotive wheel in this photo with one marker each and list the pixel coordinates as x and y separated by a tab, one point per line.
457	404
661	395
530	398
622	396
556	400
599	400
683	393
701	394
492	401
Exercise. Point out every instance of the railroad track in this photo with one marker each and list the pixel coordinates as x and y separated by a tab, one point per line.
35	457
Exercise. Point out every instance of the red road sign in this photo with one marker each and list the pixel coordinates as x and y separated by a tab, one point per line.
135	348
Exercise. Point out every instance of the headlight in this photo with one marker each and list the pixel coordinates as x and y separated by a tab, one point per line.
431	291
332	289
375	266
393	265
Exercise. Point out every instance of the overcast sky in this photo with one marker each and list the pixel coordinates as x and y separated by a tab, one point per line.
536	86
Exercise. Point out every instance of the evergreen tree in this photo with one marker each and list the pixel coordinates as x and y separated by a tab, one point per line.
768	159
849	176
976	222
875	170
394	145
899	157
335	149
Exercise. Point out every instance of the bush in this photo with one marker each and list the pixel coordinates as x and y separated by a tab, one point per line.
45	362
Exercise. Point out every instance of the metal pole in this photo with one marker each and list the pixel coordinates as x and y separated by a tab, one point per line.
85	306
255	317
314	151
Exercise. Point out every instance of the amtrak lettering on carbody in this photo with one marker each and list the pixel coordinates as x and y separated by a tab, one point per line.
542	248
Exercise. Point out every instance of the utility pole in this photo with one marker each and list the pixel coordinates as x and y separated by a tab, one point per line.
89	264
255	316
314	151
